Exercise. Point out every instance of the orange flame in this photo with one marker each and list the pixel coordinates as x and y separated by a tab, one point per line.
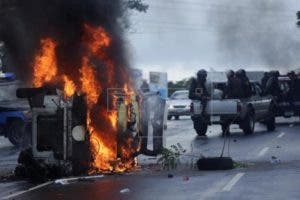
45	64
113	118
89	83
69	87
102	122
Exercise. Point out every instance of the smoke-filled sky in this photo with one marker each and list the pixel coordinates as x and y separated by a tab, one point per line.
182	36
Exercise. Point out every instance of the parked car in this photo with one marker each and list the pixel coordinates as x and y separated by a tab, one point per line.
179	104
244	112
14	114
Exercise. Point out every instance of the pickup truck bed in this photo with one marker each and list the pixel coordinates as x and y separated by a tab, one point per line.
244	112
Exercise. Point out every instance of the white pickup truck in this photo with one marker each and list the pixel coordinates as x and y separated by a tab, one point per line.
244	112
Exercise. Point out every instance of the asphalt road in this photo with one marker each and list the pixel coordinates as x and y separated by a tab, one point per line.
259	176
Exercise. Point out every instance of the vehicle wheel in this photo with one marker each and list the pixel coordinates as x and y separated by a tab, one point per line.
169	117
248	124
200	127
177	117
15	132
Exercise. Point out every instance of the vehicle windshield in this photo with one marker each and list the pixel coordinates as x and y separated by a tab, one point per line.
180	95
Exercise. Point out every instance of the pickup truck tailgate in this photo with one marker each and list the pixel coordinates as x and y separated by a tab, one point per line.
217	107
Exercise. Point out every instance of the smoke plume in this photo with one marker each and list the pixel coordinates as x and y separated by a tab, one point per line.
25	23
256	32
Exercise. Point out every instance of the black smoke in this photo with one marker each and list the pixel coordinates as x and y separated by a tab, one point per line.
256	33
24	23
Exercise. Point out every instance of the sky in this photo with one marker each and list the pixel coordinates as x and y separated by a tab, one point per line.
182	36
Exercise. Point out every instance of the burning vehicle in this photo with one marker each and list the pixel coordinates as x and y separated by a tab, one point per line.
72	132
87	116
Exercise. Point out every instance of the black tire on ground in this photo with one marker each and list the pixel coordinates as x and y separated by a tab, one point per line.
16	131
200	127
170	117
218	163
248	124
176	117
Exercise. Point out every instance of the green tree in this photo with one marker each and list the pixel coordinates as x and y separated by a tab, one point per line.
137	5
183	84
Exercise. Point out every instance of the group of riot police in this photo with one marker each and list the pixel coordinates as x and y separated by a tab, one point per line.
237	86
270	85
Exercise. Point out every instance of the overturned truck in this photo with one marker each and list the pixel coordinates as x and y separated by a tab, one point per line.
61	140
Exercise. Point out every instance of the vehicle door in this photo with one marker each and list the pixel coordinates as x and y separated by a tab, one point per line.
253	100
263	102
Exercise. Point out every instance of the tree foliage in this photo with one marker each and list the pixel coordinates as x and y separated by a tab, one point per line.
137	5
179	85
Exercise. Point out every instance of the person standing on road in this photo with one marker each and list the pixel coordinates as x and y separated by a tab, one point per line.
264	81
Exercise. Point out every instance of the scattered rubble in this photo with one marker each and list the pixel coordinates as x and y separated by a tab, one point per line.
170	175
274	160
125	190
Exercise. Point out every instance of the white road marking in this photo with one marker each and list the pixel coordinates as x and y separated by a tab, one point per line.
25	191
212	190
233	181
281	135
62	181
263	152
68	180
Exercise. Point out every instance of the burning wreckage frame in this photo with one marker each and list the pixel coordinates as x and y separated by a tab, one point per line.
62	143
86	127
79	47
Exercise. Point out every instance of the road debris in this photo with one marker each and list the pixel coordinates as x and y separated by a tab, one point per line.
125	190
239	165
274	160
185	178
170	175
67	181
